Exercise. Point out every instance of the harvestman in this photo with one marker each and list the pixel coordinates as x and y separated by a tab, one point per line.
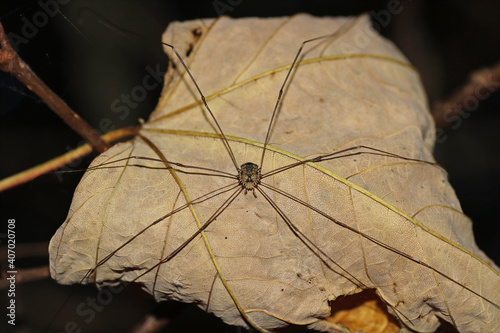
249	178
249	174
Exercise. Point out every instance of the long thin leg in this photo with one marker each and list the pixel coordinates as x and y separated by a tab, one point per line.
374	240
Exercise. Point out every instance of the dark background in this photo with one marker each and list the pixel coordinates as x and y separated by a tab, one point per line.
90	65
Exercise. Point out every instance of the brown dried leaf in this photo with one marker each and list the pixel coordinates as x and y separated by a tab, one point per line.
402	236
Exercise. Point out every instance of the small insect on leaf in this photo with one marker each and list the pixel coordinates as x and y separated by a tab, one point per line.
351	222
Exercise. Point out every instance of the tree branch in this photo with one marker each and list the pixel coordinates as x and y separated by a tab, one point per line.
11	62
482	83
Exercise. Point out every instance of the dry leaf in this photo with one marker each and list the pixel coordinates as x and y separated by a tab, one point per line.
368	223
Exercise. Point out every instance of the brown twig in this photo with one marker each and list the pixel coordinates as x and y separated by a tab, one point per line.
26	250
11	62
151	324
34	172
25	275
482	83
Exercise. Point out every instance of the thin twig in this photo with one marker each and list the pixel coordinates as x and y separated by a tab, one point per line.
41	169
482	83
151	324
26	250
25	275
29	274
11	62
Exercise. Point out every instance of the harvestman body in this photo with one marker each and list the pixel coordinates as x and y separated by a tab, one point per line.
249	176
